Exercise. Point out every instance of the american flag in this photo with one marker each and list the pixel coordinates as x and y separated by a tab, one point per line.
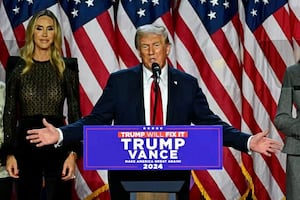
207	46
244	46
267	51
238	50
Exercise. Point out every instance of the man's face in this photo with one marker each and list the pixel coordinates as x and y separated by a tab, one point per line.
152	48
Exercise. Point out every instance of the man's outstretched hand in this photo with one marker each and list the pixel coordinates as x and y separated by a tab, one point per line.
260	143
43	136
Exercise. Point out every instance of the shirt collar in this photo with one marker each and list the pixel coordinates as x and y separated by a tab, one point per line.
163	76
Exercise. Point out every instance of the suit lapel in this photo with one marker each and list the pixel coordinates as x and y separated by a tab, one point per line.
172	94
137	92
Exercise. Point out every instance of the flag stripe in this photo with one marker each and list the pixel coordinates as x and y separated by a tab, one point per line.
125	51
3	51
84	99
269	49
211	188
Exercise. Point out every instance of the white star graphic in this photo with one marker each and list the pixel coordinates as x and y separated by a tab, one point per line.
89	3
30	1
265	2
202	1
141	12
16	10
77	1
226	4
212	15
155	2
253	12
214	2
74	13
144	1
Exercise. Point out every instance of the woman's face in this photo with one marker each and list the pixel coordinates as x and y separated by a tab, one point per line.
43	34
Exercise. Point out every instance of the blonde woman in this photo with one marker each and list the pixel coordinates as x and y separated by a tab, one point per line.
38	83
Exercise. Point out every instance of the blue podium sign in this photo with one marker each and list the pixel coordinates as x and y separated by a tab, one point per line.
152	147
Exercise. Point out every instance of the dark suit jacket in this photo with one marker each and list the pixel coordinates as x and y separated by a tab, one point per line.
122	103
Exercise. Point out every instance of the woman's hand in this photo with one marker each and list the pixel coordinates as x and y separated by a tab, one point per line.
12	166
68	171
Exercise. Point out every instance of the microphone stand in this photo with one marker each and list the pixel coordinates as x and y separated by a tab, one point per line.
156	88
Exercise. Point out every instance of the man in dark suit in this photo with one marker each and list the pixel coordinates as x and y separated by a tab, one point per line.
125	101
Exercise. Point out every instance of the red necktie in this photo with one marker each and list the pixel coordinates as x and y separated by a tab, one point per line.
158	120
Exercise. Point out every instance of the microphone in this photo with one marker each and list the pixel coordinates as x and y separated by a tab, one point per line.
156	71
156	74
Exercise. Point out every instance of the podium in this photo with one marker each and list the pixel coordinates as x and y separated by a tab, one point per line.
152	159
127	184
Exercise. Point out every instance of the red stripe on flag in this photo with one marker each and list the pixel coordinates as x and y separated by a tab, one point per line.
225	49
210	186
85	104
195	193
282	16
125	52
234	171
19	32
179	67
4	54
295	26
91	56
270	53
67	47
224	46
106	25
167	19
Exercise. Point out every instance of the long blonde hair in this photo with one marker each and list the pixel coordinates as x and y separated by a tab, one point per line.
28	49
